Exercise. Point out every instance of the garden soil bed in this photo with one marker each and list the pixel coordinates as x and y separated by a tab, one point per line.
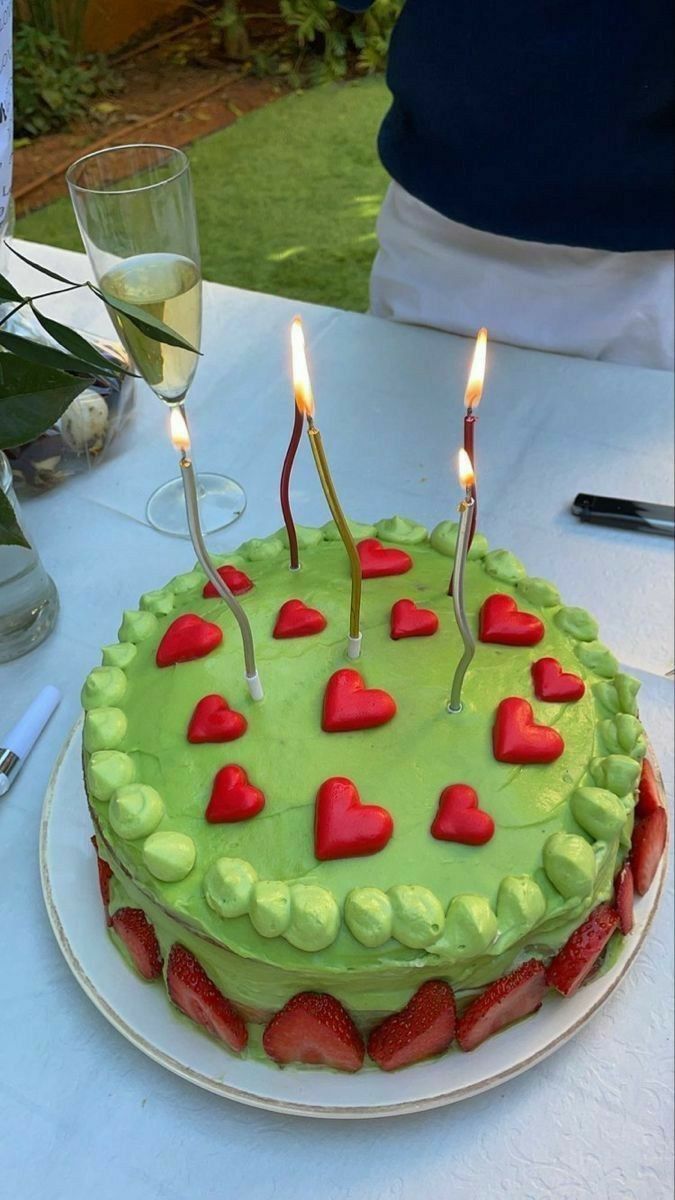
173	93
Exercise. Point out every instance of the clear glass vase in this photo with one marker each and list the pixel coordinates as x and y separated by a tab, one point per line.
29	602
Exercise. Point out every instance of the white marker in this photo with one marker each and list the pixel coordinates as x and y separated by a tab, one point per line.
21	739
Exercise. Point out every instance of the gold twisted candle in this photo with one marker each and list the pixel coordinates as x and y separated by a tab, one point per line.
304	399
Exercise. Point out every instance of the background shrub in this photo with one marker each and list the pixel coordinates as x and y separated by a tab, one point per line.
51	89
321	41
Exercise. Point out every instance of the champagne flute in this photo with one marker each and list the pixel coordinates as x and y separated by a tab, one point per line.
135	210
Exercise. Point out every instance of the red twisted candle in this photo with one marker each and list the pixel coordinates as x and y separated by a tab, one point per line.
472	398
284	488
469	429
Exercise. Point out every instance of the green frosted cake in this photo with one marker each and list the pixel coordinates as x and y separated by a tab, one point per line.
347	864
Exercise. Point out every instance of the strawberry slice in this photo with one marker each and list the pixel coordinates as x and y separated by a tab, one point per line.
104	877
140	939
649	797
198	997
313	1027
424	1027
581	951
649	841
508	999
624	891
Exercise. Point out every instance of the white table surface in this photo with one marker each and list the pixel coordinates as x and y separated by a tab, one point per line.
82	1113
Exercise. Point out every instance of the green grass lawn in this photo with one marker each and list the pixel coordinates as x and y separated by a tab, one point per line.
287	197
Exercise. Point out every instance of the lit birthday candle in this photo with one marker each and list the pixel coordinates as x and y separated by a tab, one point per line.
466	511
304	399
180	437
472	398
285	484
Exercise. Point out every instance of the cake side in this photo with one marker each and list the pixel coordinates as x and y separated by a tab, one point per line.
369	929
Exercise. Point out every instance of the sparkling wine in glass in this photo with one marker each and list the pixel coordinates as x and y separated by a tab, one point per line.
135	210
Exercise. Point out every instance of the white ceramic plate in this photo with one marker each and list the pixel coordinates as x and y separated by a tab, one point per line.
142	1013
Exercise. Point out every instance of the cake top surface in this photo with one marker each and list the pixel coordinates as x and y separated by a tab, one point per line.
256	884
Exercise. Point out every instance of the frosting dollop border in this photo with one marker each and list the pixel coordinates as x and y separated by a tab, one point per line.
308	915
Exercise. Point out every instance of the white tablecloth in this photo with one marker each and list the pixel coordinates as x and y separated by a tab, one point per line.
82	1113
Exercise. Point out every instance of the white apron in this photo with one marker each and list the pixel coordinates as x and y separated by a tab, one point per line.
592	303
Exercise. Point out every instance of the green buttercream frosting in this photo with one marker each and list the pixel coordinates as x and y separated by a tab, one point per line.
623	734
107	771
169	856
160	602
358	530
104	687
119	654
598	811
578	623
597	657
137	626
315	918
520	903
626	839
270	908
618	695
261	549
307	535
135	811
444	541
189	581
470	927
369	916
267	919
418	916
230	560
538	592
503	565
104	728
228	885
569	862
401	531
618	773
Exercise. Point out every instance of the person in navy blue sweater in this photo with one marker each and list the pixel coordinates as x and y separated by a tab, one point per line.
530	145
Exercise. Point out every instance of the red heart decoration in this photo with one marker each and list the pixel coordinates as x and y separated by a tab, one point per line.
348	704
296	620
214	721
237	581
377	561
516	737
346	828
553	684
502	621
187	637
233	798
407	620
459	819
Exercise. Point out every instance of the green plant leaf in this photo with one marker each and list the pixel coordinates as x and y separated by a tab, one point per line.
38	267
79	346
48	356
7	292
11	533
147	324
32	398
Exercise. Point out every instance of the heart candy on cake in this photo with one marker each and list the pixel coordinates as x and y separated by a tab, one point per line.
503	622
349	705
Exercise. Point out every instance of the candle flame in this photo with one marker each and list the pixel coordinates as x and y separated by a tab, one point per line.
179	430
474	387
302	384
467	477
